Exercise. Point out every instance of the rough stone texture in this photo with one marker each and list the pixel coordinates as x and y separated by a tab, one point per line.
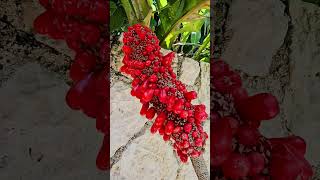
292	70
125	117
186	172
40	137
189	71
19	47
204	90
148	157
302	101
22	14
257	31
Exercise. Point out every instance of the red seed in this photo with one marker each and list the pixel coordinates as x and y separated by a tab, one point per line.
237	166
187	127
150	113
169	128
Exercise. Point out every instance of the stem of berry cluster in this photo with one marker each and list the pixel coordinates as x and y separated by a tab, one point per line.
200	167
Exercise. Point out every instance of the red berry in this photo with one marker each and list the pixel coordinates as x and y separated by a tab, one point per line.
187	127
85	60
256	163
248	136
190	95
77	73
102	160
236	166
150	113
126	49
219	68
259	107
144	108
169	128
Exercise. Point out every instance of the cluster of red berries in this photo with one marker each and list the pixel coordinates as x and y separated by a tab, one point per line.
161	94
83	25
238	149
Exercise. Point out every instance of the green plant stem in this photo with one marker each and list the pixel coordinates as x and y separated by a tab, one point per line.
136	10
206	41
130	11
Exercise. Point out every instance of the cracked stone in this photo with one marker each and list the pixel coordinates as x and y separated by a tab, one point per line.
148	157
59	45
34	114
252	45
125	119
204	91
187	172
303	98
19	47
21	16
189	71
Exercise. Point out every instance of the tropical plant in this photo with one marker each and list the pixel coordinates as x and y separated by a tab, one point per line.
180	25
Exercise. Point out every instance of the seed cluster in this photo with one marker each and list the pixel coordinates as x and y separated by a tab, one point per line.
162	95
238	149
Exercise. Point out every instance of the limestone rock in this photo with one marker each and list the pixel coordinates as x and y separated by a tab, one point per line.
40	136
148	157
302	101
22	14
257	31
125	119
189	71
204	90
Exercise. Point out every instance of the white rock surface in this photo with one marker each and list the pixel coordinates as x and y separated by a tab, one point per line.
189	71
257	31
204	90
187	172
148	157
125	119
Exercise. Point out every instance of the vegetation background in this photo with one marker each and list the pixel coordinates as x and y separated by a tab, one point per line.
181	25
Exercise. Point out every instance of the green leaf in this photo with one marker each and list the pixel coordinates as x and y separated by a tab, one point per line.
187	27
117	17
317	2
205	45
185	36
195	37
205	59
113	7
180	11
153	24
163	3
171	1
